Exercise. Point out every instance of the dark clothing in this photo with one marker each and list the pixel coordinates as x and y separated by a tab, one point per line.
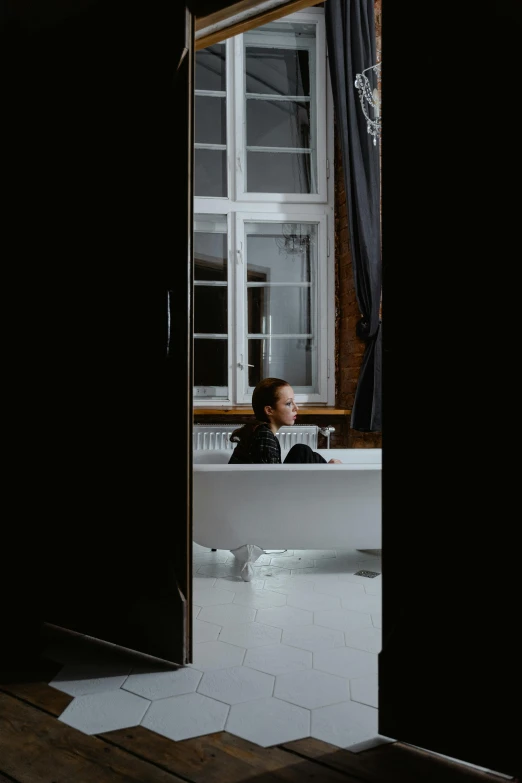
263	448
301	453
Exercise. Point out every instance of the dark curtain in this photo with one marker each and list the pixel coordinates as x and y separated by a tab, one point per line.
350	33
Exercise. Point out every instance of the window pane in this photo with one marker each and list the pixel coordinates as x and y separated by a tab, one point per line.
210	173
280	60
211	68
279	172
210	124
290	359
210	366
277	71
277	123
279	310
281	252
210	256
210	309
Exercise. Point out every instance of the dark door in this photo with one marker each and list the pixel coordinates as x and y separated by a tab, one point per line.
98	107
449	676
449	670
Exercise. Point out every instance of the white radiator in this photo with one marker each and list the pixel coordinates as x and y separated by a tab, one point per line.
214	437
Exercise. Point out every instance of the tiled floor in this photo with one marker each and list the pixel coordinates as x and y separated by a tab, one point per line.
291	654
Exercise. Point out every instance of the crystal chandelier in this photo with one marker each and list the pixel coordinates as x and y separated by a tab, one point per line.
294	240
369	97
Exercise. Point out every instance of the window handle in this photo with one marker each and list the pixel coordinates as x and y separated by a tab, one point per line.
241	365
169	320
240	253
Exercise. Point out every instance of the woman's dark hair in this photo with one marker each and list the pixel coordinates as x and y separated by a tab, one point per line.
265	393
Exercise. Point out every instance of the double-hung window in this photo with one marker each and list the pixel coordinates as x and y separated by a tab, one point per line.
263	214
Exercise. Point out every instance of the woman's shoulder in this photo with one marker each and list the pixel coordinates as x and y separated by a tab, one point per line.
263	431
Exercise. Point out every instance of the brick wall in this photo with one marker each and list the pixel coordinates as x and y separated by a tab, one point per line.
349	350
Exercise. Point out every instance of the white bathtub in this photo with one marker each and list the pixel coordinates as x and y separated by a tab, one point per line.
287	506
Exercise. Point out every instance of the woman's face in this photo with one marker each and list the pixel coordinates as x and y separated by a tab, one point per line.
284	413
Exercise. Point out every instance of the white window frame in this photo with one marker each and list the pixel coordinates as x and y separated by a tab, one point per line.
318	92
230	126
298	207
230	221
319	306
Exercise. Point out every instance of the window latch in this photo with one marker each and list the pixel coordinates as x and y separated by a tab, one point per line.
241	365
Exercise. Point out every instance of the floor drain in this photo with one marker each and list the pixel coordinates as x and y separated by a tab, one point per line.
369	574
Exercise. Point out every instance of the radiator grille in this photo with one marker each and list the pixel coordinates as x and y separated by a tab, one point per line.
214	437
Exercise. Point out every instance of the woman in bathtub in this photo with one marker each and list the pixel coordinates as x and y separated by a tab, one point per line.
274	407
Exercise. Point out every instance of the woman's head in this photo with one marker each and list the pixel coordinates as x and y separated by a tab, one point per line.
273	402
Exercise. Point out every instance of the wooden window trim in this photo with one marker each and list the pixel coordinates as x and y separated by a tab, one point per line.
221	25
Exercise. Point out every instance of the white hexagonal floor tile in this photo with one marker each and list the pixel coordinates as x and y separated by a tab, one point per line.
292	562
227	614
342	619
284	616
344	724
313	601
374	587
161	684
313	637
203	582
365	690
268	722
212	596
195	610
377	620
342	564
334	587
311	688
205	632
251	635
236	685
362	603
288	584
216	655
303	573
260	599
360	580
236	584
210	557
345	662
182	717
198	548
371	564
278	659
109	711
80	679
315	554
369	639
217	570
269	572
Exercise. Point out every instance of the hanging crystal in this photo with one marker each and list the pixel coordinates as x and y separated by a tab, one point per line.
370	98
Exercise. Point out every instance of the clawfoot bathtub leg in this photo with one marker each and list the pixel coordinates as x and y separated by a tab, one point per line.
247	555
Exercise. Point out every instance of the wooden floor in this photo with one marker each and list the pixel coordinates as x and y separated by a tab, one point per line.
35	747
